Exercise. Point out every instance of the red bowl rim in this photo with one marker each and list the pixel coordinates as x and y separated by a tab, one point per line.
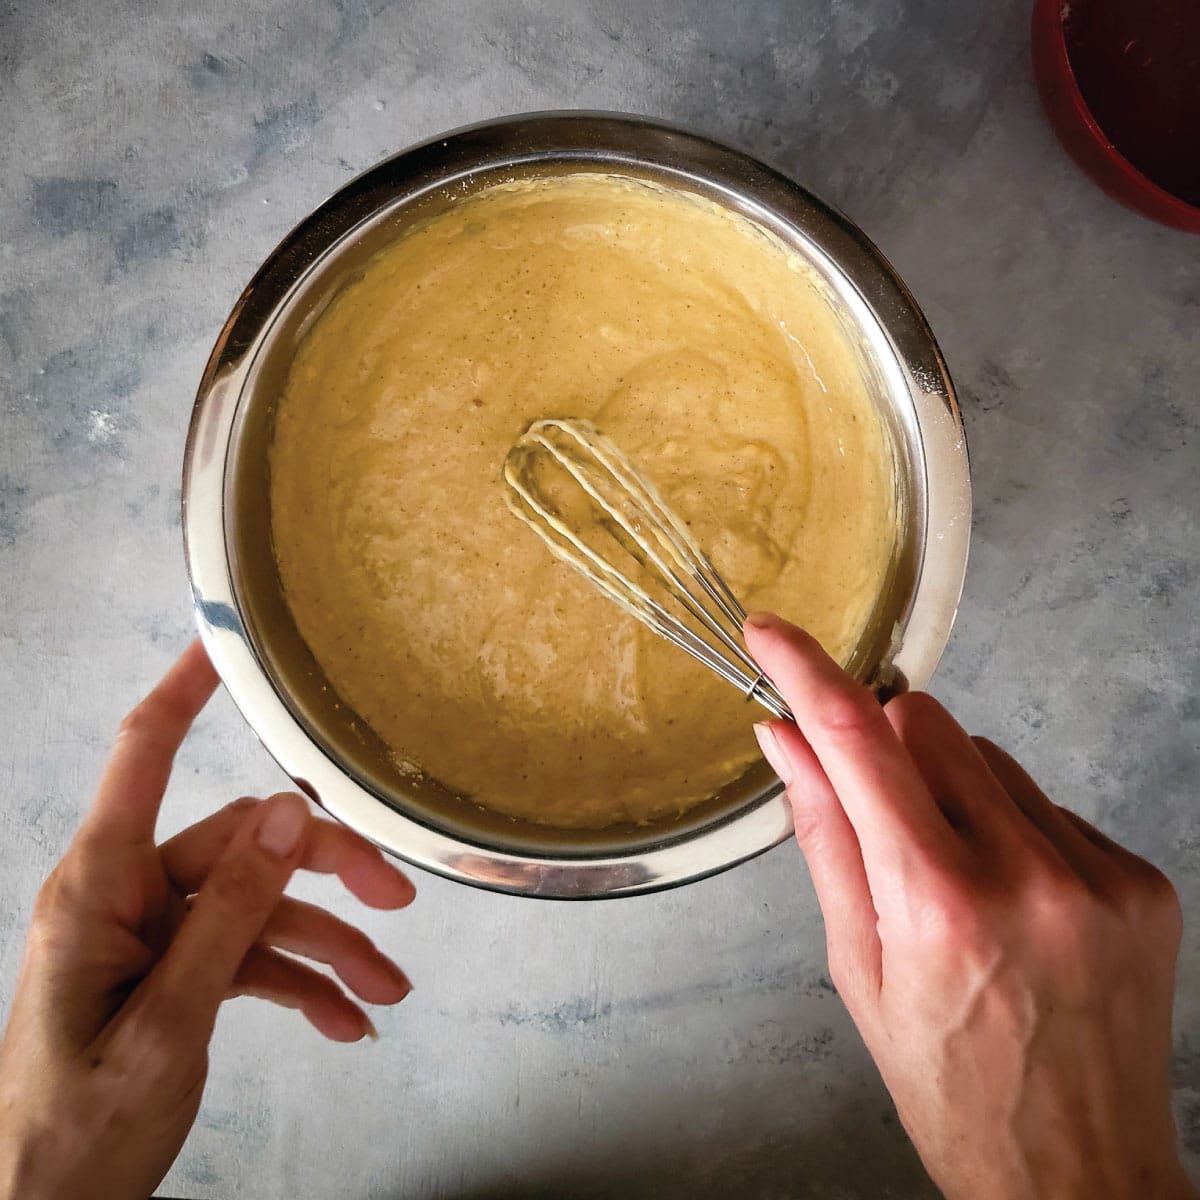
1158	201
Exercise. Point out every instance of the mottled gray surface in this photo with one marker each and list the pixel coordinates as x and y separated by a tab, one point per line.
673	1046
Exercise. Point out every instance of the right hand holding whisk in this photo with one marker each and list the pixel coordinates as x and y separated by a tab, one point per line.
1010	968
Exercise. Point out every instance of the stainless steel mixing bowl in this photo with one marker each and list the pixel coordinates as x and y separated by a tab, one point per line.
271	674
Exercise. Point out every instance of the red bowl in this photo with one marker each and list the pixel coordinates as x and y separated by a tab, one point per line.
1082	135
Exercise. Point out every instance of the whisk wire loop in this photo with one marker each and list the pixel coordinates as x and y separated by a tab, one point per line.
636	526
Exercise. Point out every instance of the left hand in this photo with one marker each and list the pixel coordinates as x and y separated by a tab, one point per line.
133	947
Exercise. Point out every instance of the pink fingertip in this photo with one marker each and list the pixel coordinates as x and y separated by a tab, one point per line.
762	620
380	885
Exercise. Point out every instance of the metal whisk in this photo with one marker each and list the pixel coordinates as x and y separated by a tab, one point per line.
596	512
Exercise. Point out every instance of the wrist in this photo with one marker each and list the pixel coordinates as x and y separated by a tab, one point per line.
18	1168
1163	1181
1064	1173
33	1159
1177	1186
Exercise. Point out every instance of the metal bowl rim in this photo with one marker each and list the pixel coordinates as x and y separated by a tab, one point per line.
711	849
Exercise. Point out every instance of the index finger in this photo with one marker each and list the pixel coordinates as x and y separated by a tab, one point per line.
132	786
329	849
892	810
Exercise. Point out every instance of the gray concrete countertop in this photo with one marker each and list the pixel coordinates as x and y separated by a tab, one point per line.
678	1045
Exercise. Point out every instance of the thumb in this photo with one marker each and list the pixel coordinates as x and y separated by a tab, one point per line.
227	916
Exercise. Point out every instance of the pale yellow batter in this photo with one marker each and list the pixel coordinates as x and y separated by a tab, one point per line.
689	337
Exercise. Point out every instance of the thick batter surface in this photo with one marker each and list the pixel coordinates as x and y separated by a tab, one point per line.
689	337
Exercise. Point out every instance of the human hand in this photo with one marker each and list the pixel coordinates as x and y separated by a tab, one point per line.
1010	968
133	947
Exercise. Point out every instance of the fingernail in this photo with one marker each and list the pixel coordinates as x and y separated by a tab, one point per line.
283	826
773	752
402	981
762	620
371	1031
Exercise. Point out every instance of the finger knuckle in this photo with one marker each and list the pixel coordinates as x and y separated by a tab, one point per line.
50	895
849	715
918	707
242	805
1060	903
1156	885
60	891
325	989
238	885
137	720
1150	896
167	1049
844	969
159	1033
357	942
1170	915
954	923
809	824
141	725
952	913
